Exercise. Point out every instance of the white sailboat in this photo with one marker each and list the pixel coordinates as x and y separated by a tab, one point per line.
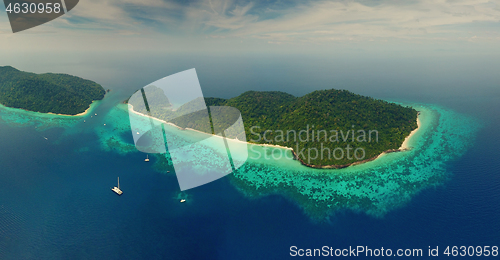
117	189
147	158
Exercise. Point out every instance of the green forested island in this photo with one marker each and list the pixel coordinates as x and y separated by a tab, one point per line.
324	128
49	92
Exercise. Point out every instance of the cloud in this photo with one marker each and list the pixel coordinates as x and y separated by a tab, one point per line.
386	20
287	22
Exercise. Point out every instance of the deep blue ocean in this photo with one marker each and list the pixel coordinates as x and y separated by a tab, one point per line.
55	201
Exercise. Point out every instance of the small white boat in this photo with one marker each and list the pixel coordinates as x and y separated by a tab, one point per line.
104	124
183	200
137	132
147	158
117	189
95	114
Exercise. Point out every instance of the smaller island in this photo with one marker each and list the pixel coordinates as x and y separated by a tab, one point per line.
61	94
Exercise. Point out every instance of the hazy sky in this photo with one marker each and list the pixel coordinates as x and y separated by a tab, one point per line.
416	50
264	25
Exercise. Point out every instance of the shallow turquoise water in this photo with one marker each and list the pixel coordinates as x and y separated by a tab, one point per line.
375	188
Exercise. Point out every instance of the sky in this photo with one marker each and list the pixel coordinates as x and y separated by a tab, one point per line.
264	26
381	48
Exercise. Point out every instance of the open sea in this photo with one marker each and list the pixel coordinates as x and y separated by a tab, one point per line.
56	173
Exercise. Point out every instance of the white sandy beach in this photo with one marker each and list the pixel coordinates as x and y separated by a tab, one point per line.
405	144
131	108
80	114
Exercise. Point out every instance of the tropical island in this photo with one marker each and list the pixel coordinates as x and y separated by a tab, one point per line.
48	92
325	128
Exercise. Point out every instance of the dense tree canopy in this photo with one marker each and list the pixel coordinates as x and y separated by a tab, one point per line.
323	127
56	93
328	119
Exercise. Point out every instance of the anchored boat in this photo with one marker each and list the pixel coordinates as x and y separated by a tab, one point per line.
117	189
